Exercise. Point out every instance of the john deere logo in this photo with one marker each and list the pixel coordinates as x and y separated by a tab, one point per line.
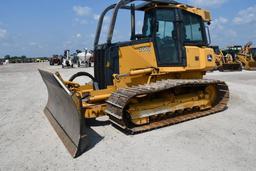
209	58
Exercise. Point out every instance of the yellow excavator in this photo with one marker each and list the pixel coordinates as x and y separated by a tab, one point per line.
225	62
153	80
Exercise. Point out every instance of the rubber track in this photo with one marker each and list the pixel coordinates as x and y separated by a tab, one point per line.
117	102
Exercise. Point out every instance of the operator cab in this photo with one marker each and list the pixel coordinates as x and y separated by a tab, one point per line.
233	50
253	51
172	29
168	27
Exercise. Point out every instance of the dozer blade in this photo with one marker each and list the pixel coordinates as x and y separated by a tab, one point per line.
230	67
63	112
252	66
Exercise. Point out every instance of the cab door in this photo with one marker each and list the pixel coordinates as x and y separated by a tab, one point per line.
167	39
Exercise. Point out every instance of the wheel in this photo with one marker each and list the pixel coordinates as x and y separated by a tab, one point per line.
87	64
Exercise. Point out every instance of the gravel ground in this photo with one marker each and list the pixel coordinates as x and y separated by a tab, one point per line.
224	141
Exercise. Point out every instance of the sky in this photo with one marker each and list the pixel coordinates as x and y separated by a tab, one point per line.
42	28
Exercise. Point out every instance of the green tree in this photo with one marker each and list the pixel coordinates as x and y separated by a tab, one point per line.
7	57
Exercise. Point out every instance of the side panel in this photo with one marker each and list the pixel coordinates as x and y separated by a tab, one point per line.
136	57
206	58
198	58
106	64
122	58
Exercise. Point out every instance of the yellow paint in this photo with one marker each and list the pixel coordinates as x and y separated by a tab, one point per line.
247	61
132	58
168	103
206	15
138	66
94	111
136	57
202	54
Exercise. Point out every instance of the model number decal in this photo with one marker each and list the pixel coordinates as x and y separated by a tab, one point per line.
144	49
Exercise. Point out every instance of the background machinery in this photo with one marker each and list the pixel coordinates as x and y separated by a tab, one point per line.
84	58
243	55
4	61
67	60
153	80
226	62
55	59
246	58
253	52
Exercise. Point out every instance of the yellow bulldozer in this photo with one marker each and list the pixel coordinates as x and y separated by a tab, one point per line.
253	52
153	80
245	56
226	62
